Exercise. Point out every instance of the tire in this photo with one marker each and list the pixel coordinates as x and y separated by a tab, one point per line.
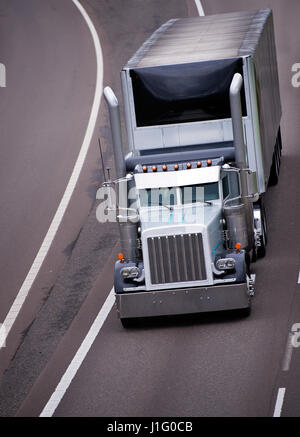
274	173
265	222
280	141
275	168
254	256
127	323
245	312
260	251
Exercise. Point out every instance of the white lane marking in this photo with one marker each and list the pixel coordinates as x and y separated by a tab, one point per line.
80	355
42	253
288	353
2	76
299	277
199	8
279	402
87	343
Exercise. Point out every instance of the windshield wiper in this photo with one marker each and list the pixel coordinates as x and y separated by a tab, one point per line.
170	208
193	204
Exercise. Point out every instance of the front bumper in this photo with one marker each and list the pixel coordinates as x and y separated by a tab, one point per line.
183	301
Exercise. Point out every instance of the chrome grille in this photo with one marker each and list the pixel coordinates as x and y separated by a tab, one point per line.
176	258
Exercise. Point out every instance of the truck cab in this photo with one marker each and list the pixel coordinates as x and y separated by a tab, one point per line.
180	218
183	244
203	135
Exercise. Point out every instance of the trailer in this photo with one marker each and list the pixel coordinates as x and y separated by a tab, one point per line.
202	111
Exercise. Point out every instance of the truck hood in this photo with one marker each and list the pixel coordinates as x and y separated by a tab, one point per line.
203	220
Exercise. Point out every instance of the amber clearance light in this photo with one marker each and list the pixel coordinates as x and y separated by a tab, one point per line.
121	257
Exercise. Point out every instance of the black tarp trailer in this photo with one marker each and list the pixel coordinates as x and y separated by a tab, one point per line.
176	89
199	89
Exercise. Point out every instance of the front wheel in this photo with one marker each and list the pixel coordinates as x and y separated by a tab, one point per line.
260	229
245	312
126	323
275	168
261	250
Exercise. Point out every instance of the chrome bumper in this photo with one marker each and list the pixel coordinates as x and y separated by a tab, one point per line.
183	301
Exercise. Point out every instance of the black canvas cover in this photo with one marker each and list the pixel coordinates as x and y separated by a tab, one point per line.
203	53
184	92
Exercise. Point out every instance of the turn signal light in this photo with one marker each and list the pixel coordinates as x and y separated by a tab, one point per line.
121	257
238	246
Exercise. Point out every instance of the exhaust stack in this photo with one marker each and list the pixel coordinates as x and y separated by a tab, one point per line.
240	155
127	229
115	123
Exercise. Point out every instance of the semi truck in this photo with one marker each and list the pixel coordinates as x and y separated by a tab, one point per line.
202	112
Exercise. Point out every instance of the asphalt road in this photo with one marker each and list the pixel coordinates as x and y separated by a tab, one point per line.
48	53
213	365
52	304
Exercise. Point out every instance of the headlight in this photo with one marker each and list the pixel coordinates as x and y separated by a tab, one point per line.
130	272
225	264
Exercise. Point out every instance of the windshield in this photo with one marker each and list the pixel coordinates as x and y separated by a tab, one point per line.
179	195
158	197
200	193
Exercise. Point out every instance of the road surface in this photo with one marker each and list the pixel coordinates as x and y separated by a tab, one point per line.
213	365
50	66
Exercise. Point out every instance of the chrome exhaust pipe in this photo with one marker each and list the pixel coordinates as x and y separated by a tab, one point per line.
115	123
128	229
240	153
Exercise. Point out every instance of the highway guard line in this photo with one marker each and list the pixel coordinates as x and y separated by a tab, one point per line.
87	343
199	8
288	354
279	402
46	244
79	357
